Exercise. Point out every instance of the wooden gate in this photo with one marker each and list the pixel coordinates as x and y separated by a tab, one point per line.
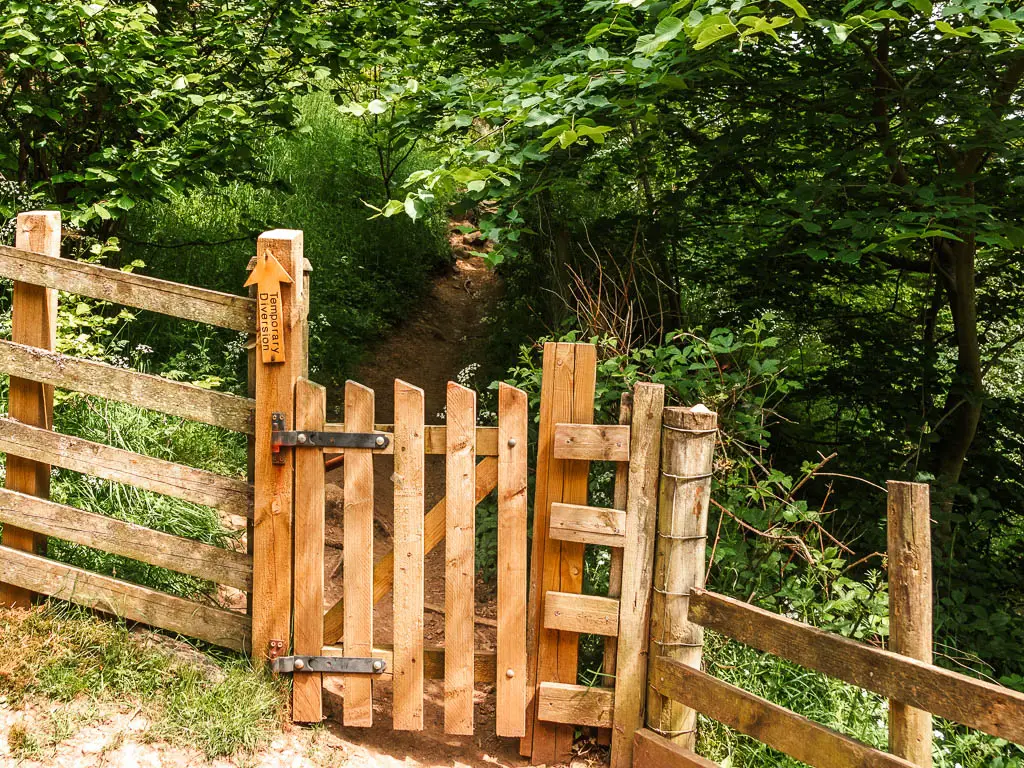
478	460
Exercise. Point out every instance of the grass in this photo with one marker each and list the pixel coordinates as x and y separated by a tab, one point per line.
219	705
845	708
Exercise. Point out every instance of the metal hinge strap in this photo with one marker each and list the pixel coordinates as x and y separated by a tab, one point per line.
283	438
341	665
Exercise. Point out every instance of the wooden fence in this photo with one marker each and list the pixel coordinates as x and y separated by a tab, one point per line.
32	447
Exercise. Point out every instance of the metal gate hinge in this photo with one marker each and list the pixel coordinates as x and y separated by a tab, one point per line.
280	438
341	665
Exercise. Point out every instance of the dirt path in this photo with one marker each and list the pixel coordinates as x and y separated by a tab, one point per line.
430	349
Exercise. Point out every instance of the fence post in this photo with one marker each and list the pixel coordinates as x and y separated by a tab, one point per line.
910	609
274	491
637	570
33	322
688	449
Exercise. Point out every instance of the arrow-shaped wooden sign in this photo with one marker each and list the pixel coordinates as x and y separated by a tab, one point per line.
268	276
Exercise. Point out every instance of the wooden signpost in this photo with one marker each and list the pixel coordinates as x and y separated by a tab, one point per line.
267	277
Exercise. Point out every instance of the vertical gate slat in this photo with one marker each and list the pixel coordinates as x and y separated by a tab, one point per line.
460	540
311	414
574	491
542	643
407	712
357	576
512	536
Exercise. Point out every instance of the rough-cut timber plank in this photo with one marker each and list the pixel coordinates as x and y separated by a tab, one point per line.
994	709
653	751
128	601
637	570
358	563
588	525
460	564
407	709
545	575
33	322
769	723
910	609
127	539
433	534
308	599
573	612
510	717
127	386
619	494
484	669
592	442
575	490
228	494
140	291
274	483
575	704
434	439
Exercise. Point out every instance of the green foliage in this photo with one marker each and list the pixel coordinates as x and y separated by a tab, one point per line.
112	104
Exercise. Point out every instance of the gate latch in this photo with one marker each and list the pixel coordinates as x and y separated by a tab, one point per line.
339	665
283	438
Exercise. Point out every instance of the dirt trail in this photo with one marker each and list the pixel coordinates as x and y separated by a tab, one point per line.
430	349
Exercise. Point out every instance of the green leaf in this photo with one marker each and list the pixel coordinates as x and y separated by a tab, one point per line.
798	9
377	107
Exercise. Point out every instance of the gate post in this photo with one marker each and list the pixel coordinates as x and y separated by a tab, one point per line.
33	322
277	369
688	449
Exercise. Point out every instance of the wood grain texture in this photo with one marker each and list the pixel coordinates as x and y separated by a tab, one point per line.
308	593
994	709
128	601
228	494
575	704
637	570
545	556
688	452
653	751
33	322
619	494
433	535
435	437
127	386
407	710
769	723
357	567
575	490
573	612
484	662
133	290
460	562
274	483
588	525
910	609
510	717
127	539
592	442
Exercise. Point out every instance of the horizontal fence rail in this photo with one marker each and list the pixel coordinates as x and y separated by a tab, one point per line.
786	731
994	709
125	600
126	539
188	401
227	494
225	310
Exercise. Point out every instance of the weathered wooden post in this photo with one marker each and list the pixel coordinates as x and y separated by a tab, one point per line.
637	570
910	609
280	361
687	457
33	322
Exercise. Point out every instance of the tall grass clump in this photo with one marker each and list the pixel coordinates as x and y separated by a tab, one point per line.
367	273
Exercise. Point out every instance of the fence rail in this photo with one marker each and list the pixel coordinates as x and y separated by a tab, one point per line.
32	447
